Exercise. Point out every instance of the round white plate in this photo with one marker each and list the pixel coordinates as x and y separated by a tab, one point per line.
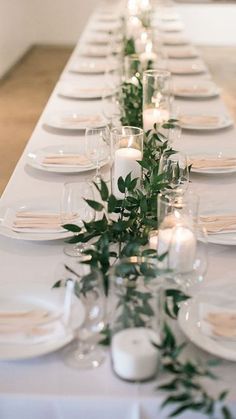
90	67
182	52
36	296
223	121
94	51
99	39
74	121
35	160
75	91
188	319
7	215
199	90
187	69
210	171
174	40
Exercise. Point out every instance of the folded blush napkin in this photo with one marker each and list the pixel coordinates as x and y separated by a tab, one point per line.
66	160
30	327
200	120
219	223
217	322
213	163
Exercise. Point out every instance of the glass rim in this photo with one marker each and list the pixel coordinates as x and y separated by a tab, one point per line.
118	131
157	72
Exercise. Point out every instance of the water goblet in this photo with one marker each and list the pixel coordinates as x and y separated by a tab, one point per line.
98	148
75	210
84	353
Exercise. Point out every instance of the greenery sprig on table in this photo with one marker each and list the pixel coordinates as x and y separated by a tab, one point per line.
122	230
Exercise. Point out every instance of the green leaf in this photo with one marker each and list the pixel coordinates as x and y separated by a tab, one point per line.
104	191
226	413
95	205
121	185
72	227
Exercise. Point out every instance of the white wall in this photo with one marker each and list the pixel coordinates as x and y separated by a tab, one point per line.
27	22
16	31
210	24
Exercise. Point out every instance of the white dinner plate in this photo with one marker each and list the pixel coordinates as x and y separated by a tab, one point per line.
74	121
187	68
43	206
76	91
203	122
35	159
99	51
182	52
196	90
40	297
210	171
189	321
98	39
91	67
174	40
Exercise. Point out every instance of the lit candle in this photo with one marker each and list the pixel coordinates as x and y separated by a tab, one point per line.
180	243
125	161
133	354
148	55
134	27
152	116
140	43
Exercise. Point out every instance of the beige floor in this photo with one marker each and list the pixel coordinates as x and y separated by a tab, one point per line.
24	93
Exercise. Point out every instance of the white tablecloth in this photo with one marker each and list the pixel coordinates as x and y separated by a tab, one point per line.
44	387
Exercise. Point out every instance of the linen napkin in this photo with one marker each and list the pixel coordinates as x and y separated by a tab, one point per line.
36	220
31	326
188	68
191	90
66	160
200	120
183	52
80	119
213	163
217	322
219	223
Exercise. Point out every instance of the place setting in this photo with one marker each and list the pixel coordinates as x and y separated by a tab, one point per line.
187	67
181	52
212	163
202	89
74	90
92	67
203	122
209	321
74	120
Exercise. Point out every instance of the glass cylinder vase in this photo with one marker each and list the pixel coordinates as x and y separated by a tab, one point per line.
156	98
127	143
135	319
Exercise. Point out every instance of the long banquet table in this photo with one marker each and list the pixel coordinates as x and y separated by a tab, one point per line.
44	387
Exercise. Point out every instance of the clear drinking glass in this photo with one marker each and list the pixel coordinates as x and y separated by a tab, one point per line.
156	97
111	106
98	148
135	318
175	170
89	296
182	238
75	210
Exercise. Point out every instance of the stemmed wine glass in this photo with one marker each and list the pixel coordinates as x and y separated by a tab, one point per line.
98	148
75	210
111	106
89	301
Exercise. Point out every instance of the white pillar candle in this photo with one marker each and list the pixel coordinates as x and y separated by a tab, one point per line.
152	116
180	243
133	354
148	55
140	43
153	239
125	161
